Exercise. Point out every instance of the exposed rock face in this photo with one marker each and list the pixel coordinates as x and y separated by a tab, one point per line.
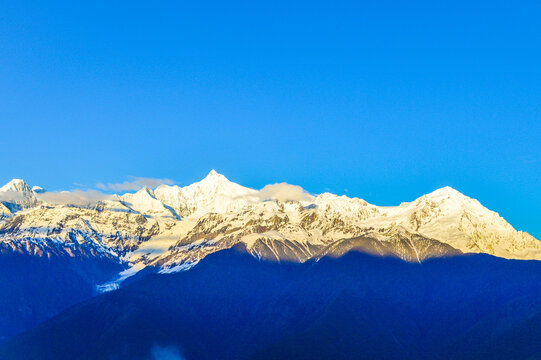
392	243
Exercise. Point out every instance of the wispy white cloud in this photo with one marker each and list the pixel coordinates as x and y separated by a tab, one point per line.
285	191
75	197
134	183
11	196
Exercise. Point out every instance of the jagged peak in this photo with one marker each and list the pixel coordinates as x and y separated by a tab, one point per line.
145	202
215	183
146	190
16	185
214	177
143	193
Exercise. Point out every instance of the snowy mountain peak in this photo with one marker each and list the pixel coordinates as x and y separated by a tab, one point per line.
344	206
214	177
215	184
214	194
174	226
145	202
214	173
18	185
447	200
145	191
445	191
17	195
143	194
339	203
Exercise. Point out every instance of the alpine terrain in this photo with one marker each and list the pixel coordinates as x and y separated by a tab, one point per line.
58	250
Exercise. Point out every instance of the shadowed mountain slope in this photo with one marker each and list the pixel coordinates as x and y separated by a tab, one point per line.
33	289
233	306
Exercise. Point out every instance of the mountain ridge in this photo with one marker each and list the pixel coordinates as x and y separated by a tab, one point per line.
173	227
101	239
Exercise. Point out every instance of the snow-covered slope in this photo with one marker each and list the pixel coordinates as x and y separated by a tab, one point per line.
17	185
462	222
103	231
215	193
17	195
173	227
144	202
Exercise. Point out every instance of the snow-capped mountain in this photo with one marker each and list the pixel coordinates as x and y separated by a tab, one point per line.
214	194
463	223
173	227
16	185
145	202
16	195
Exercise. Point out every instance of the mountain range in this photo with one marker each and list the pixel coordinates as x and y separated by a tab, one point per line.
171	226
76	247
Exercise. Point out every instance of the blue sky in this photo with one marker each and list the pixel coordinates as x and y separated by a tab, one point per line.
383	100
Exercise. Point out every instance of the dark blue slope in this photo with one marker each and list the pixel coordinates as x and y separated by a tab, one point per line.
34	289
231	306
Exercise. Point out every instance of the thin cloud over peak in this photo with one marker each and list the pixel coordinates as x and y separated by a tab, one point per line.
134	183
74	197
284	191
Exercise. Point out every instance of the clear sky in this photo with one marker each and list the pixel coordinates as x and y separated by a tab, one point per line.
381	100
